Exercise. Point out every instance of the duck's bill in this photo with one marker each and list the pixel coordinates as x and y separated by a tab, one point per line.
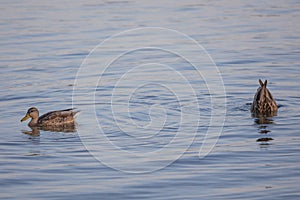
25	117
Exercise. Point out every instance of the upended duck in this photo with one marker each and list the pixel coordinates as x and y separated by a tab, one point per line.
263	102
54	118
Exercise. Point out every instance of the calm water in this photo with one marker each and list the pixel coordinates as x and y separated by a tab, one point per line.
147	98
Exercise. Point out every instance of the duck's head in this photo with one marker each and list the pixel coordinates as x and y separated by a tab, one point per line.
31	113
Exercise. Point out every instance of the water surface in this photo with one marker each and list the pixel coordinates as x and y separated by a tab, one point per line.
42	46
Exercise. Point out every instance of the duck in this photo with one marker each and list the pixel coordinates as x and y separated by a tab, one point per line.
53	118
263	102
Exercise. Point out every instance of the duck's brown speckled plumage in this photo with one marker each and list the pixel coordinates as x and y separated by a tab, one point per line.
54	118
263	102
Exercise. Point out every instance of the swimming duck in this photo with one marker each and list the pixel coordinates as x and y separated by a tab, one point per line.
54	118
263	102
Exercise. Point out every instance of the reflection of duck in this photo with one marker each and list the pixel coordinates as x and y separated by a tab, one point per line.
265	139
264	120
263	102
35	131
51	119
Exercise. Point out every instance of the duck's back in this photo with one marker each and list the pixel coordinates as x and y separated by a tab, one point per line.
263	102
57	118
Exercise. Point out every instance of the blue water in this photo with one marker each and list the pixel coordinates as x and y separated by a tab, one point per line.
148	95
